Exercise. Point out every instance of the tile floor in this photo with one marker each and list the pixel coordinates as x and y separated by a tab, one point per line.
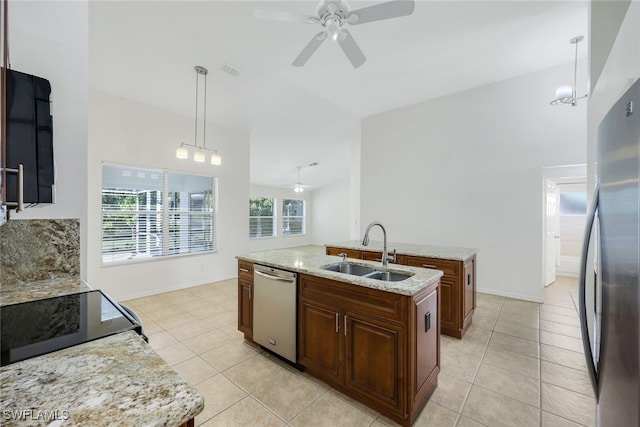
520	364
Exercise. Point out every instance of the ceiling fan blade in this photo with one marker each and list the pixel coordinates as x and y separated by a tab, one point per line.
378	12
309	49
295	18
351	49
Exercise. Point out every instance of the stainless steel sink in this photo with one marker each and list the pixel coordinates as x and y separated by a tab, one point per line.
367	271
349	268
388	276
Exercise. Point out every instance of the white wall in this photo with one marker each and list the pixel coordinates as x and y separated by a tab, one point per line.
50	39
466	170
280	241
127	132
331	212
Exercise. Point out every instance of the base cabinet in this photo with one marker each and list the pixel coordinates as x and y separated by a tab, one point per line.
245	298
380	348
457	285
375	360
322	349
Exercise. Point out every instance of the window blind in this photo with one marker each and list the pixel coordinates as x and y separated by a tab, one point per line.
261	217
152	213
293	217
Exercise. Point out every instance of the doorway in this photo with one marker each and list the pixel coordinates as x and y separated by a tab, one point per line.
564	214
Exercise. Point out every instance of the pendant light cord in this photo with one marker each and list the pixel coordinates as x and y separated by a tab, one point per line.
204	72
204	118
195	136
575	74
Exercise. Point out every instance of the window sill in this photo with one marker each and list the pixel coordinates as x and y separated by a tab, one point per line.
262	238
152	259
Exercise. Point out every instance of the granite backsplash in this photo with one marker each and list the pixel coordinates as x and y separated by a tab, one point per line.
39	249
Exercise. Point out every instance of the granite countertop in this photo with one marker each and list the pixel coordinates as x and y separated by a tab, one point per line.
118	380
41	289
430	251
309	259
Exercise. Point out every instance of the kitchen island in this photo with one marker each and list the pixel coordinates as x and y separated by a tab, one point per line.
376	341
457	286
116	380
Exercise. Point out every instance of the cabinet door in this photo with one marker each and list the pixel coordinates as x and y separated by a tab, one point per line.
245	307
469	288
320	343
427	342
448	317
375	360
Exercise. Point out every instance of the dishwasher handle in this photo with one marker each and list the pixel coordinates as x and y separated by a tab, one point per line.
273	277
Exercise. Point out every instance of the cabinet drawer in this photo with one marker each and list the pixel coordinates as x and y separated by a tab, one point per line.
377	256
448	267
245	270
351	253
346	296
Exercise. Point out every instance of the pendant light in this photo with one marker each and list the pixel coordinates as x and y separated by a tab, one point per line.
199	155
567	94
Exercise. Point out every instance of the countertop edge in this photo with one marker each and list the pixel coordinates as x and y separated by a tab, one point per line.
408	249
427	278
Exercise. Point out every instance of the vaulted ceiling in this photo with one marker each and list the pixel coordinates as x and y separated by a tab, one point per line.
146	50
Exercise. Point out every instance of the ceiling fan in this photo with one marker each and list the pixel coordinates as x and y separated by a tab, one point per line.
332	15
298	187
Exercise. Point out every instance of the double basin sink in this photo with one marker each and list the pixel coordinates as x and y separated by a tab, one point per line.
367	271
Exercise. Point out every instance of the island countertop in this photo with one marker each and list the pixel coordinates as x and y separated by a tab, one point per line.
116	380
429	251
309	259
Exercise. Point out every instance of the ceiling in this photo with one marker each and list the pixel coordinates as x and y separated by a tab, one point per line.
146	51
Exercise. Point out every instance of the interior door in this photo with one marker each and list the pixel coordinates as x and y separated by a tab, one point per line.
552	232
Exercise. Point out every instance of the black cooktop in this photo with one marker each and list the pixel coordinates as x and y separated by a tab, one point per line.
33	328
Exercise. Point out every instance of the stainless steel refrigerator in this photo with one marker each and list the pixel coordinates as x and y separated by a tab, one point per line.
608	289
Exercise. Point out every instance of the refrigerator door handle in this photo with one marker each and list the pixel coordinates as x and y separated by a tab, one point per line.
584	327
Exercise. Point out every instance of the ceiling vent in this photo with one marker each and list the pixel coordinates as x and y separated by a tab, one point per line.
230	69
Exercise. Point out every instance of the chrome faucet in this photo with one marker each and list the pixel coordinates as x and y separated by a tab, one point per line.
385	255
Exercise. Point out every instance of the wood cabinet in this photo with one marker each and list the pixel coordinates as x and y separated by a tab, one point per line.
350	253
380	348
457	286
245	298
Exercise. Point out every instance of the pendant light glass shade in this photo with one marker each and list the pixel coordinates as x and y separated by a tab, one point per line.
182	152
216	160
198	156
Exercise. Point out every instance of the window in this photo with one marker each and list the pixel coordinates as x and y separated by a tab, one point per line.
292	217
150	213
573	203
261	217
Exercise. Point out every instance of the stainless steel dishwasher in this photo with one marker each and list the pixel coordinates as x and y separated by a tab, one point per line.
274	310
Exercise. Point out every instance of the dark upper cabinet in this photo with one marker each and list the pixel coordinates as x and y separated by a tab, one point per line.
29	137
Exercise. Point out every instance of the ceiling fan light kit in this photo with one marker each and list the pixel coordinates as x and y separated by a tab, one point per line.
298	187
199	155
567	94
332	15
